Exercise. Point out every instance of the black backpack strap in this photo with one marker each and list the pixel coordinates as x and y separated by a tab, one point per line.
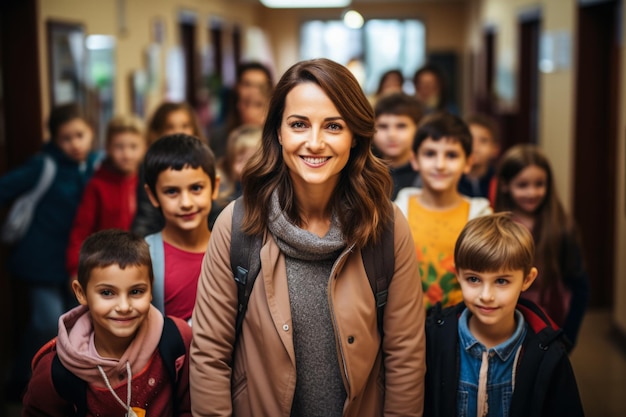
69	387
171	347
379	262
245	262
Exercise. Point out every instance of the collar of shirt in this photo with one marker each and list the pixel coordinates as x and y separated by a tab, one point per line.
504	350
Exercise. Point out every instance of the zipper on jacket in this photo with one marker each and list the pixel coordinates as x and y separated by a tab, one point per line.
332	314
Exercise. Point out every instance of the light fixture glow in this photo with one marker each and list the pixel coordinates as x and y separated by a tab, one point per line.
298	4
95	42
353	19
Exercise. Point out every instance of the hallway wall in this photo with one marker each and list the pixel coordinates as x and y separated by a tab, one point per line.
138	16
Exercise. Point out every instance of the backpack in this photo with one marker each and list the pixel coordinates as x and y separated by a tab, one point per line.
20	216
74	390
245	262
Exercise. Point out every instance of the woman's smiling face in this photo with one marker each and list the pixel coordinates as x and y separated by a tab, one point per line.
315	138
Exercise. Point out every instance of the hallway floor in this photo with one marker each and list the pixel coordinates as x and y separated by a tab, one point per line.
600	368
599	365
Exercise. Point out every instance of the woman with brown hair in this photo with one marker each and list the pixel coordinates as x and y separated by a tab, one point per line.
309	343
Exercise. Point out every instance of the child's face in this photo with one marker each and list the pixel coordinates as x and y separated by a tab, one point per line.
441	164
126	151
484	147
528	189
427	88
185	197
491	297
253	109
394	136
119	302
178	121
75	139
253	82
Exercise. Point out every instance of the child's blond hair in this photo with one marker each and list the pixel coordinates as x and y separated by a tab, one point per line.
494	242
122	124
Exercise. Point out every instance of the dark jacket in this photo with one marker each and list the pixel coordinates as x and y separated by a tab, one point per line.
39	257
544	385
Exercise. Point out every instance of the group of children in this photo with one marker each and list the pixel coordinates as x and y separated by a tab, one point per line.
474	265
94	191
477	266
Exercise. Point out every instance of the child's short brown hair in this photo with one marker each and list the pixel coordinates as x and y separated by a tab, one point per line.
123	124
399	104
63	114
487	122
494	242
112	247
443	124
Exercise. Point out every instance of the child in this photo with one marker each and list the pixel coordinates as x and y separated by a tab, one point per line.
110	198
397	117
526	187
242	143
38	259
174	117
391	81
247	103
492	354
168	118
479	181
181	182
437	212
114	337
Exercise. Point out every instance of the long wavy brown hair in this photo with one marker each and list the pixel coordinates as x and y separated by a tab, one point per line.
362	196
551	221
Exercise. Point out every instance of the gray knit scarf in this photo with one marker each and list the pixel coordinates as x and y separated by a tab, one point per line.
309	260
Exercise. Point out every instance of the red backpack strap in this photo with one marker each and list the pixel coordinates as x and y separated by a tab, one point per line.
50	346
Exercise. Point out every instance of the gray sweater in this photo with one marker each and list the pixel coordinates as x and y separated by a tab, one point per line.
309	260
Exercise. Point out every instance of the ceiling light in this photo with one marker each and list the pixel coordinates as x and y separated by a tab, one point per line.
353	19
298	4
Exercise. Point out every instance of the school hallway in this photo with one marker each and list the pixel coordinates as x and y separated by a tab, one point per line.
600	368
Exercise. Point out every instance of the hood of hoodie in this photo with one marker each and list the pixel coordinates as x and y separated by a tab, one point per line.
77	352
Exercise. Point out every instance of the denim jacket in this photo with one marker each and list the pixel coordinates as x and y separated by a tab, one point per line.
500	375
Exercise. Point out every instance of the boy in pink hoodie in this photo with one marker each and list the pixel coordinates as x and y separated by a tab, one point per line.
112	344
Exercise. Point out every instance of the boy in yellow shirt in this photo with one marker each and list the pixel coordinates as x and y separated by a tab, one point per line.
437	212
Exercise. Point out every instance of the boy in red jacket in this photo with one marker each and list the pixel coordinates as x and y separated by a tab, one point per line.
112	344
110	198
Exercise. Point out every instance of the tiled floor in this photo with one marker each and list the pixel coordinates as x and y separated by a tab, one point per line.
600	368
599	365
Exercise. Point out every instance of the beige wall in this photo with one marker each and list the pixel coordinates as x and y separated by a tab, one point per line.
619	310
102	17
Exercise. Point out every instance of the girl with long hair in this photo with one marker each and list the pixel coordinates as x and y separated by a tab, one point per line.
526	188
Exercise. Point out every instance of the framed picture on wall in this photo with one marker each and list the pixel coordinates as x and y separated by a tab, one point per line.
66	62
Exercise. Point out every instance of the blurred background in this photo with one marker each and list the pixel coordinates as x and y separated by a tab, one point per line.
551	72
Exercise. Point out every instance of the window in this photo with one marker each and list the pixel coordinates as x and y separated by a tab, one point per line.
381	45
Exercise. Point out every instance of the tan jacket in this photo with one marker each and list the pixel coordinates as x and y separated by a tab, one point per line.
264	375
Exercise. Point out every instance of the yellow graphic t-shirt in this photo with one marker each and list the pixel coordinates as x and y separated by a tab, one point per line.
435	234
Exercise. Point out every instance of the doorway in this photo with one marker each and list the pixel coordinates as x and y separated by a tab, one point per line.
527	130
597	86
